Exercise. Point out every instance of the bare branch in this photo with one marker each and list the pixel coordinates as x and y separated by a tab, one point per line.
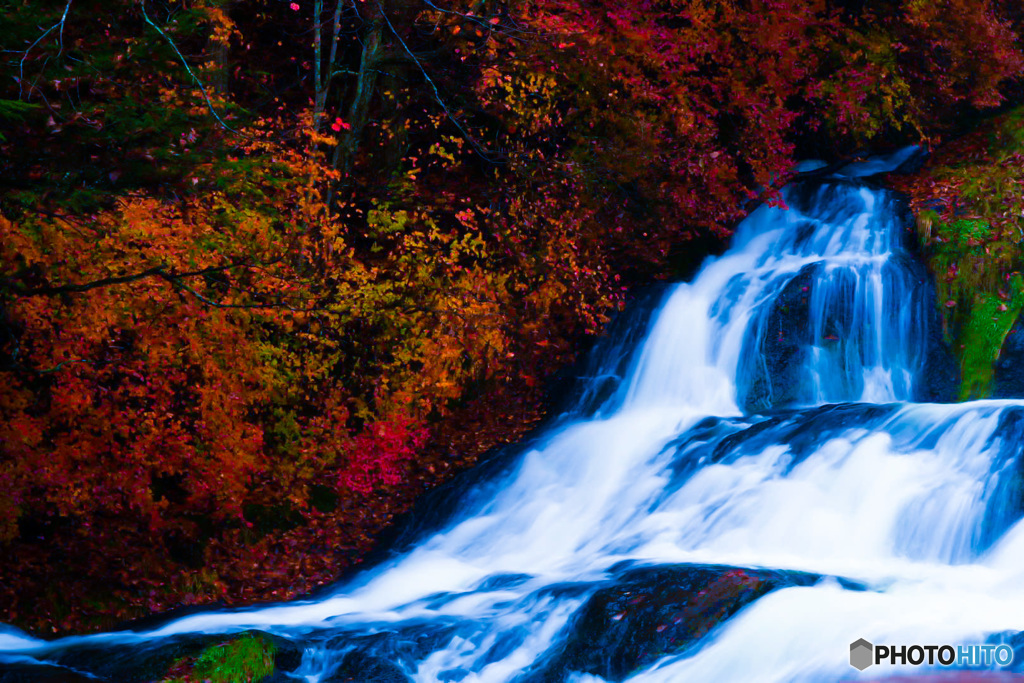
95	284
175	279
437	94
217	304
62	20
24	56
21	64
184	62
156	271
504	29
58	366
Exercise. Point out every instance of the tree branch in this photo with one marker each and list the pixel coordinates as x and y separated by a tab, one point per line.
176	280
202	88
156	271
217	304
437	94
477	19
58	366
63	18
60	25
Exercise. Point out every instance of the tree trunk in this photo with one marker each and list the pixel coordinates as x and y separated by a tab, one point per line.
359	108
393	82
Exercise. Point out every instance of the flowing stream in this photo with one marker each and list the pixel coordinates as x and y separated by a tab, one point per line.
749	480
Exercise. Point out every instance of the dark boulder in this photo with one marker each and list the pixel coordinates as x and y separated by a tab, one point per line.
651	612
775	347
364	668
939	381
135	662
1008	371
41	673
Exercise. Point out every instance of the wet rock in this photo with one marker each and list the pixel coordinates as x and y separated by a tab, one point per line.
289	653
408	644
802	431
1008	371
150	661
1006	504
789	348
938	380
137	662
594	381
27	673
363	668
772	360
378	658
651	612
940	377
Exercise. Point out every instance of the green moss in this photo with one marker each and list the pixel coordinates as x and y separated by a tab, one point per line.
968	257
15	111
1008	137
965	232
978	297
989	322
247	659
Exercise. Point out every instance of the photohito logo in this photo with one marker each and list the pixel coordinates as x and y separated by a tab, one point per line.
863	654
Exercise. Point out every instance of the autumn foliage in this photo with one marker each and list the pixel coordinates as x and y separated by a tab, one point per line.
269	268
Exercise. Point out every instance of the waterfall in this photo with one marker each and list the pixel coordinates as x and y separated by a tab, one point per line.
749	481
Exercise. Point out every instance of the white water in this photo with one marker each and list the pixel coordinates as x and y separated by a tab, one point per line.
917	502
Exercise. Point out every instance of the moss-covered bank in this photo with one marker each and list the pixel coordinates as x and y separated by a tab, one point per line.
968	200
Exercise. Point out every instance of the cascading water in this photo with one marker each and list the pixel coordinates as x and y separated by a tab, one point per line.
737	499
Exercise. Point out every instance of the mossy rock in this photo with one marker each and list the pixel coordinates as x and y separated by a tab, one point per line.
989	323
247	658
134	663
238	658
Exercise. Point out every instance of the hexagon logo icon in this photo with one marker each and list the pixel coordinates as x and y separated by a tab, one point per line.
861	654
